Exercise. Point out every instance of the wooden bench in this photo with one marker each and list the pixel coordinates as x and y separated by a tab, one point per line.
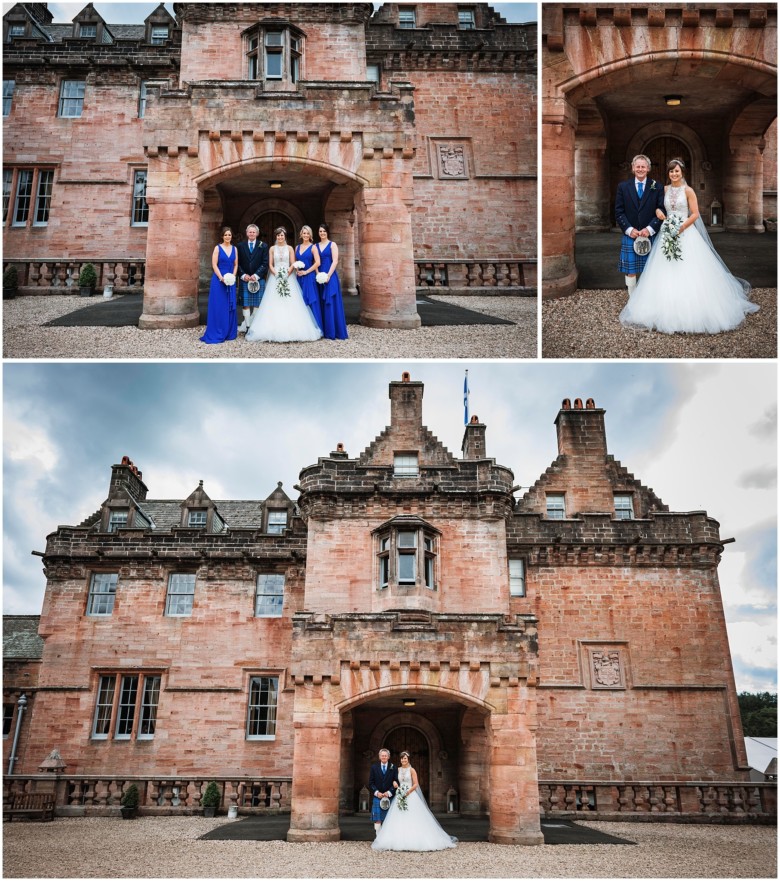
30	804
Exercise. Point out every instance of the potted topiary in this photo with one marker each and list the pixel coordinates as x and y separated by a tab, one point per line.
10	282
210	800
129	802
87	280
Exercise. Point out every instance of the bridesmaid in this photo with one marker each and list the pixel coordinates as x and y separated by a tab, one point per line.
307	254
334	325
222	317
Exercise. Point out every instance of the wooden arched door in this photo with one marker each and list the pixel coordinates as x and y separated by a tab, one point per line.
268	221
661	150
416	744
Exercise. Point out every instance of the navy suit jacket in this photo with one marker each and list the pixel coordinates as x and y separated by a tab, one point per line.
377	781
255	263
630	210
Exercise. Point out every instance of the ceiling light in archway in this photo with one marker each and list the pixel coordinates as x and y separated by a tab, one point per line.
673	100
409	702
275	184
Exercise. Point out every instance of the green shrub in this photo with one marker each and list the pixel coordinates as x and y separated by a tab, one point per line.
130	797
11	278
211	796
87	276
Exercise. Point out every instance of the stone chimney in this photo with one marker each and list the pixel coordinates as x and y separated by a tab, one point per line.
581	431
406	402
126	481
473	446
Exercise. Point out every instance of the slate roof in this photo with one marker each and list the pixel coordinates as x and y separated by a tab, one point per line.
60	32
166	513
20	637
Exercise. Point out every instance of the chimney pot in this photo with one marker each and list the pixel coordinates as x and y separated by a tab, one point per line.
578	403
406	376
566	404
590	404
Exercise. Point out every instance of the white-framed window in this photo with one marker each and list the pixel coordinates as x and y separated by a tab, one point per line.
516	578
8	96
8	719
261	712
406	465
197	517
274	53
140	215
126	706
102	592
269	597
277	522
87	31
8	179
24	189
407	17
181	594
71	103
117	519
43	197
624	506
407	555
556	506
159	35
142	99
16	30
466	19
374	74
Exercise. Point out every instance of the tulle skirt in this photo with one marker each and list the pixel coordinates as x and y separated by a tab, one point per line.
283	319
413	829
696	294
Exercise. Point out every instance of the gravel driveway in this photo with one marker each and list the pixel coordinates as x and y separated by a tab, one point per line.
586	325
169	847
25	337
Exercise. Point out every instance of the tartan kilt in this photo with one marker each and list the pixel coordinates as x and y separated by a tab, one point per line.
249	299
377	814
631	263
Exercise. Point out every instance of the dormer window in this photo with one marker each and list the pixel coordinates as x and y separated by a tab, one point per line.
118	518
407	18
16	30
406	554
197	518
159	35
274	53
87	31
277	522
466	19
406	465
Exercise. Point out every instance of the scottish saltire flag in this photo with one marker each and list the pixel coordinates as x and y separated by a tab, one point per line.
466	399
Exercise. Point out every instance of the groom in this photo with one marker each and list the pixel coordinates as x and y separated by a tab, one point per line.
252	266
635	205
380	784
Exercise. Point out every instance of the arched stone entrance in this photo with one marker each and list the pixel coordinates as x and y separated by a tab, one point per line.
608	73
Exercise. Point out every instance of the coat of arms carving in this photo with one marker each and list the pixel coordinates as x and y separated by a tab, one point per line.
606	666
452	160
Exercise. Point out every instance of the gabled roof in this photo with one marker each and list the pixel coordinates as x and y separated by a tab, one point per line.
20	637
761	752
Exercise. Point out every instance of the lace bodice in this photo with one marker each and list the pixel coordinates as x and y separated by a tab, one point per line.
281	257
676	202
405	777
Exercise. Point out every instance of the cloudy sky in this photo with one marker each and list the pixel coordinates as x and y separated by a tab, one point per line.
703	436
135	13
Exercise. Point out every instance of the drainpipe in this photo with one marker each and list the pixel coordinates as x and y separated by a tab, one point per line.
21	705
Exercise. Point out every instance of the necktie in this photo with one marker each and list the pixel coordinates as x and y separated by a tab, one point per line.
640	189
384	768
251	247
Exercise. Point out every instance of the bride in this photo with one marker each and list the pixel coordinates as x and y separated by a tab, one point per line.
693	294
414	828
282	317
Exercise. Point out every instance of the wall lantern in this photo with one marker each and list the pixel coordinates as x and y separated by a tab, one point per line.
275	184
716	213
452	801
673	100
363	801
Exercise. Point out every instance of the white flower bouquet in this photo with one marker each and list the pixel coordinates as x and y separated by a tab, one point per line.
401	798
229	279
282	283
321	278
299	264
670	237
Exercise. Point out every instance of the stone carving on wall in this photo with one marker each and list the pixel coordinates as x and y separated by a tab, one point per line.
607	668
452	161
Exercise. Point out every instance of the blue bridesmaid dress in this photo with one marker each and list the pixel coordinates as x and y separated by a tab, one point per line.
222	317
311	295
334	325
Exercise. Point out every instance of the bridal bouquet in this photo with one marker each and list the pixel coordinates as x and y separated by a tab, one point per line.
401	798
229	279
282	284
321	278
670	237
299	264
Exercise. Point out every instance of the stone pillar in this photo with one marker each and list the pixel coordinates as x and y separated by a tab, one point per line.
172	261
559	121
315	796
471	765
743	185
592	184
340	214
514	785
387	290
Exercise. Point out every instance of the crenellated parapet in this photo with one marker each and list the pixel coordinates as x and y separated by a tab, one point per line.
204	13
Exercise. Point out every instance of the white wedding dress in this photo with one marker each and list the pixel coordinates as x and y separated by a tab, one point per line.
696	294
281	319
413	829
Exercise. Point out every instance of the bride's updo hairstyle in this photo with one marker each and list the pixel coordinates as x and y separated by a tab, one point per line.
676	163
405	753
280	229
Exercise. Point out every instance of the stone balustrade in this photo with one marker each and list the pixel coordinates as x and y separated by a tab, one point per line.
96	795
483	277
62	276
702	802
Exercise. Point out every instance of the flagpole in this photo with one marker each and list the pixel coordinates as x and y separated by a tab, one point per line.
466	399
